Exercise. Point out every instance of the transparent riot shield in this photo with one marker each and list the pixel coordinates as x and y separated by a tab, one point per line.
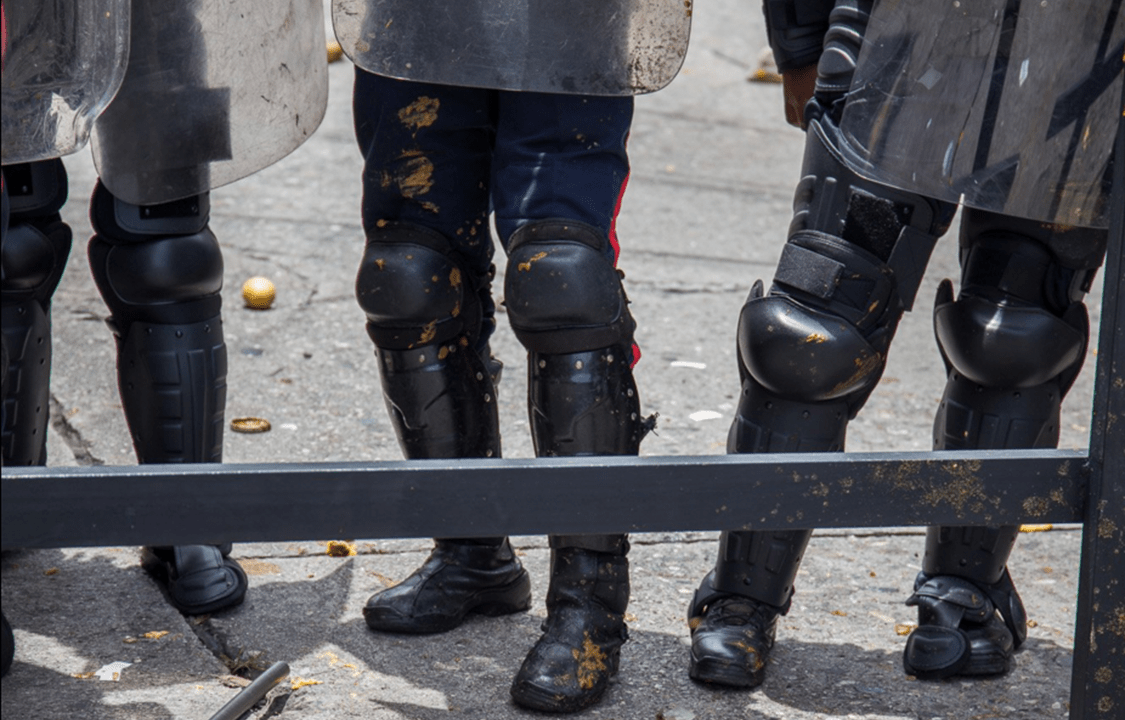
62	63
608	47
215	91
1004	106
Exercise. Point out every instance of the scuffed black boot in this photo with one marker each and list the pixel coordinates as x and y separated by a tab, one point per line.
733	614
569	668
731	639
459	577
963	628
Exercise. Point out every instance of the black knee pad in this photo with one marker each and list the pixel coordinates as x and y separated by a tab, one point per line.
1019	321
802	352
414	289
155	264
1015	338
562	293
36	240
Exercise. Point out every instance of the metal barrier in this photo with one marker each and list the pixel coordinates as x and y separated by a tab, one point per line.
89	506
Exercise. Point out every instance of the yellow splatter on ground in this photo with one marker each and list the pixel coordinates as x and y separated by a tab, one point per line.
904	628
156	634
300	682
259	567
340	548
1036	528
51	571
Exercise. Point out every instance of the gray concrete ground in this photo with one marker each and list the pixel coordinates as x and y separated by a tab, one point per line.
714	166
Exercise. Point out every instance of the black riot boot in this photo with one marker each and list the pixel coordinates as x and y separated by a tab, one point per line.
582	403
460	577
160	271
970	617
570	667
733	615
36	244
427	314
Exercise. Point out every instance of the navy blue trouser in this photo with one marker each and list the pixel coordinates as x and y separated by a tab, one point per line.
444	157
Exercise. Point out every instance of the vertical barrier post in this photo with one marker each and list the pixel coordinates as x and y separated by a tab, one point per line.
1097	690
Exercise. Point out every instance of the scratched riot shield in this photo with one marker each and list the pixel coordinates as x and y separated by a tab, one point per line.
62	63
1004	106
215	90
608	47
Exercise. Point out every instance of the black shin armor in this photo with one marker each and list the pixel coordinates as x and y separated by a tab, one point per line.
1013	342
36	244
811	351
159	269
424	315
568	307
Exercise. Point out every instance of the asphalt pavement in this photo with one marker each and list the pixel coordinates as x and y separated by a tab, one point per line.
705	214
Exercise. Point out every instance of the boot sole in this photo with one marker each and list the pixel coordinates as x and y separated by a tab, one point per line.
506	600
716	672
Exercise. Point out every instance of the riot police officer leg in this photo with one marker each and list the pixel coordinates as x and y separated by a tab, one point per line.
424	316
810	352
1013	342
159	269
568	307
36	244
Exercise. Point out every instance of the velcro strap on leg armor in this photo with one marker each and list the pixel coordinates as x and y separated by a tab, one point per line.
414	290
842	278
562	291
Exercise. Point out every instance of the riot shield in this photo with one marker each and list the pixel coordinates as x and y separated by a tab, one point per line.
214	92
1004	106
609	47
62	63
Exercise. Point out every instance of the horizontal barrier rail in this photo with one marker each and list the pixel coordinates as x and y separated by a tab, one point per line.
213	503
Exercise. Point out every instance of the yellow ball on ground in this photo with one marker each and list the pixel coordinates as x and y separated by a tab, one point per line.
258	292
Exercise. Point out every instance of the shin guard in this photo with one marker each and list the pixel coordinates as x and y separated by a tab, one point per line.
36	245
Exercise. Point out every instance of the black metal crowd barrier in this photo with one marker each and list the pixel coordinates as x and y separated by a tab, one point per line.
146	505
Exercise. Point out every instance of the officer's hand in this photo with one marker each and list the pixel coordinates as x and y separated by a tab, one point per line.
798	85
